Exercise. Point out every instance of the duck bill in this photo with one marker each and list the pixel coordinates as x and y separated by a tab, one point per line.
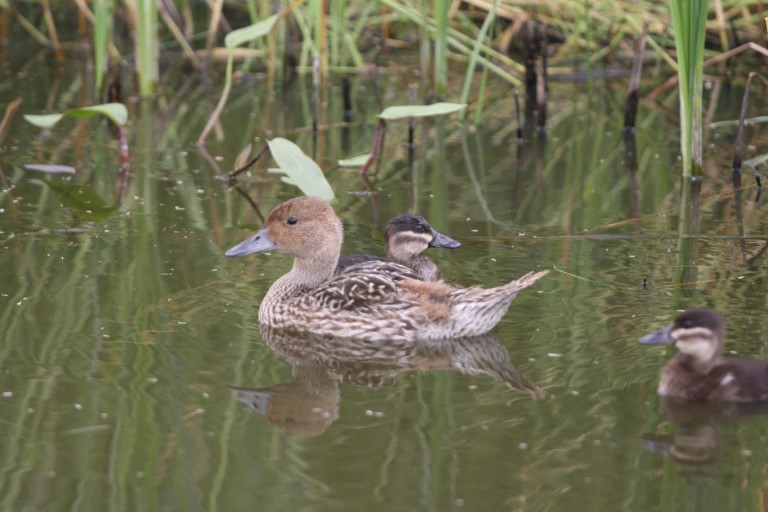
257	243
441	240
660	337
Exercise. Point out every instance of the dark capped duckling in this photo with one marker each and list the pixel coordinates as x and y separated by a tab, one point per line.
698	372
376	300
405	238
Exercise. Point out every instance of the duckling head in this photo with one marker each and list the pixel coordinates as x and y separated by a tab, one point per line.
698	332
305	227
412	234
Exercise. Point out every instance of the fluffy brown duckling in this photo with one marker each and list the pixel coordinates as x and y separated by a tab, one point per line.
406	237
698	372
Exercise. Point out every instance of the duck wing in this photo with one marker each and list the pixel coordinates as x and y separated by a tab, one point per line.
739	380
348	260
363	285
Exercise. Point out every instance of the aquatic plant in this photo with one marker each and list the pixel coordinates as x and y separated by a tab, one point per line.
82	197
232	41
689	26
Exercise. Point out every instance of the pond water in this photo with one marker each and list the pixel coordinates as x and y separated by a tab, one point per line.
134	374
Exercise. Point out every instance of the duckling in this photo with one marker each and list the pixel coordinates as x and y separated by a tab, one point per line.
698	372
405	238
375	300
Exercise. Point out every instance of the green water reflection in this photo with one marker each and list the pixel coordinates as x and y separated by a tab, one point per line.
129	342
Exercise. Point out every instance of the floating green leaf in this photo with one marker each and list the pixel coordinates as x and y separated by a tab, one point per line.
116	112
300	169
249	33
355	161
406	111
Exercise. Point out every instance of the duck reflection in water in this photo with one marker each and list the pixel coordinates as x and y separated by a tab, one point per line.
696	441
307	405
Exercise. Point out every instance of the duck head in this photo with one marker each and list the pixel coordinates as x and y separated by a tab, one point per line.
305	227
412	234
699	333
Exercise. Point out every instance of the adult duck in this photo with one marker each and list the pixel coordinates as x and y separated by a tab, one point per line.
376	300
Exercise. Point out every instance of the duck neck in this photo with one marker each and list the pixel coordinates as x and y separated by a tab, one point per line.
698	365
422	265
305	275
312	272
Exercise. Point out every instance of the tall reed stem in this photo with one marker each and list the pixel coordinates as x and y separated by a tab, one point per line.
147	46
689	19
441	46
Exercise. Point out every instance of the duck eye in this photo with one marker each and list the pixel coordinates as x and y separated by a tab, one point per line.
687	323
420	228
292	220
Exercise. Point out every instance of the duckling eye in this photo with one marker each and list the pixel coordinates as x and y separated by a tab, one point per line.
420	228
292	220
687	323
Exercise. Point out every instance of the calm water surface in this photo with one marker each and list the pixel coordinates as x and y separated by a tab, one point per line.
134	374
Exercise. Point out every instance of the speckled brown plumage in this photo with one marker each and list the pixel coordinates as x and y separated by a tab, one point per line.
376	300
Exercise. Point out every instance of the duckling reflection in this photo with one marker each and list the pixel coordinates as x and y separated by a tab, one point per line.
696	441
308	404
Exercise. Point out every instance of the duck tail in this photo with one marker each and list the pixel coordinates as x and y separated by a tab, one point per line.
524	282
482	308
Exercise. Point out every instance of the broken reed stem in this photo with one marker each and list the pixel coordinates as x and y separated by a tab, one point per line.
541	83
250	201
125	165
10	112
633	97
520	138
738	153
231	176
412	92
222	101
346	97
378	135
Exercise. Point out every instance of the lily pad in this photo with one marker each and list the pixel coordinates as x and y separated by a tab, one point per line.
406	111
300	169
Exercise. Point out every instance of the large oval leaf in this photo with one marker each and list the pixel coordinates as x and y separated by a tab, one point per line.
300	169
249	33
44	121
355	161
406	111
116	112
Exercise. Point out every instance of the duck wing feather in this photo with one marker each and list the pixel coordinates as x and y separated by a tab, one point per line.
372	283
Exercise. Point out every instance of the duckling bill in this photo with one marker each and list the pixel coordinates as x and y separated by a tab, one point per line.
698	372
375	300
